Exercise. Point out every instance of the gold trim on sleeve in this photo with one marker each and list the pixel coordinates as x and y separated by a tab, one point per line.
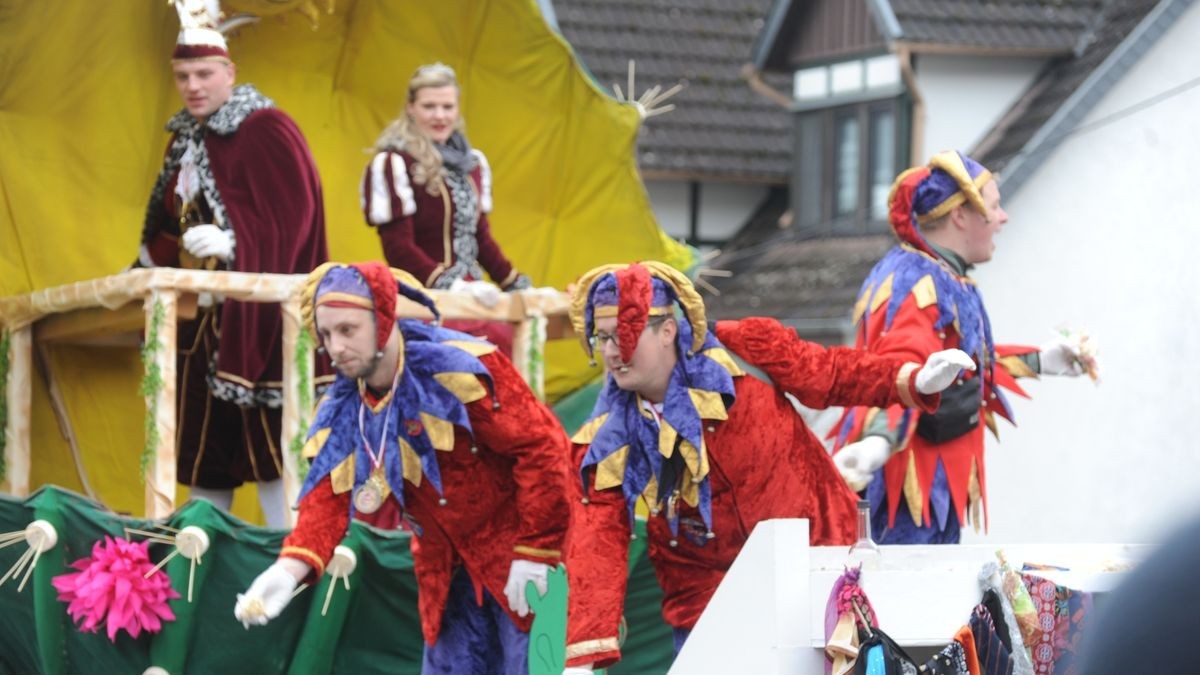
308	555
592	647
904	384
540	552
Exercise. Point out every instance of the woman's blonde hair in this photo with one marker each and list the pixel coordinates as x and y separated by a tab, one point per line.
402	132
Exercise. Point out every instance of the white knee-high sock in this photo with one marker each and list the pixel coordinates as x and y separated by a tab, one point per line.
273	503
222	498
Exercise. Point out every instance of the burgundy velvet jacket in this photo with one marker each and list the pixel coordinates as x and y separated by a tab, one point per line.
417	228
268	182
764	463
505	501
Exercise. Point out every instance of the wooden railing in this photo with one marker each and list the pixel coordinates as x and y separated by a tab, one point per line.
118	310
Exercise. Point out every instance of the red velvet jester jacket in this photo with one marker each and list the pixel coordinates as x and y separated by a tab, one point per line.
763	462
502	482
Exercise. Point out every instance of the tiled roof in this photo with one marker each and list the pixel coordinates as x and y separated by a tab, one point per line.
1058	82
1019	25
781	273
814	280
721	128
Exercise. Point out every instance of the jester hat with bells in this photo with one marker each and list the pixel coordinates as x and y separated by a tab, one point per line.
438	373
626	446
923	194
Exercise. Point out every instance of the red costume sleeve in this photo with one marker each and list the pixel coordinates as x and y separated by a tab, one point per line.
320	527
389	204
819	376
597	570
525	430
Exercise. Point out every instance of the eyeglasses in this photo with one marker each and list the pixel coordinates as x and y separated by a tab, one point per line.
599	340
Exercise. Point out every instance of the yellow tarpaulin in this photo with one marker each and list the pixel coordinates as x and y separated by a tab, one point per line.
85	90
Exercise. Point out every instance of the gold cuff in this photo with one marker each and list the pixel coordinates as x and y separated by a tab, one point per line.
315	559
539	552
592	647
904	385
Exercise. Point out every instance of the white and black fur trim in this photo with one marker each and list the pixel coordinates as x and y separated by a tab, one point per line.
239	395
225	121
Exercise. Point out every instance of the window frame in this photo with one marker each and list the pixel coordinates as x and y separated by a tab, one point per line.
859	221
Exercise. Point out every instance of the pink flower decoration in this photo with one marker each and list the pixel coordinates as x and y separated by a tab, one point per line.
111	589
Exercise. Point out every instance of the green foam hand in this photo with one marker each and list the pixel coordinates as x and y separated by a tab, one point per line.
548	636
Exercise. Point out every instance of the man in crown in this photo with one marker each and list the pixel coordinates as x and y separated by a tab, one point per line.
712	449
239	191
440	425
917	300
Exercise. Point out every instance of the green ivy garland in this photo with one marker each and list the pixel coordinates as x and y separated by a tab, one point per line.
152	385
5	343
304	346
537	358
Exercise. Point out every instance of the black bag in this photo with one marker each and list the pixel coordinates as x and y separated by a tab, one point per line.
896	661
957	414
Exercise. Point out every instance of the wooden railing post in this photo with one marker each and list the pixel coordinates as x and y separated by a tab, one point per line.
295	371
160	471
19	393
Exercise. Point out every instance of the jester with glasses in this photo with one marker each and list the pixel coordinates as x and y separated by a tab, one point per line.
437	427
711	448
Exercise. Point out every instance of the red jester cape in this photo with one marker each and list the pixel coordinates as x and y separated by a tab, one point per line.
726	451
918	300
477	463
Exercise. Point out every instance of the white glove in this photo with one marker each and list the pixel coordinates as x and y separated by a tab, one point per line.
1061	356
941	369
270	592
484	293
208	241
578	670
858	462
521	572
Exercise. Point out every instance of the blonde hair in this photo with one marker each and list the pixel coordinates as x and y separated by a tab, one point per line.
402	133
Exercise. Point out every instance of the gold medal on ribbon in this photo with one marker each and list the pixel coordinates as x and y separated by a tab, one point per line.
369	496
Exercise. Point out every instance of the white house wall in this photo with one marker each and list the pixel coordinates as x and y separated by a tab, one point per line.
965	95
724	207
1105	235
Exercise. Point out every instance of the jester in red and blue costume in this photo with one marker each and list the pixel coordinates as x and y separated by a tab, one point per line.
711	449
457	444
919	299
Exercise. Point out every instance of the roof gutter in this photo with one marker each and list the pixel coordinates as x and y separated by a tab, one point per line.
766	39
889	25
1072	112
753	77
